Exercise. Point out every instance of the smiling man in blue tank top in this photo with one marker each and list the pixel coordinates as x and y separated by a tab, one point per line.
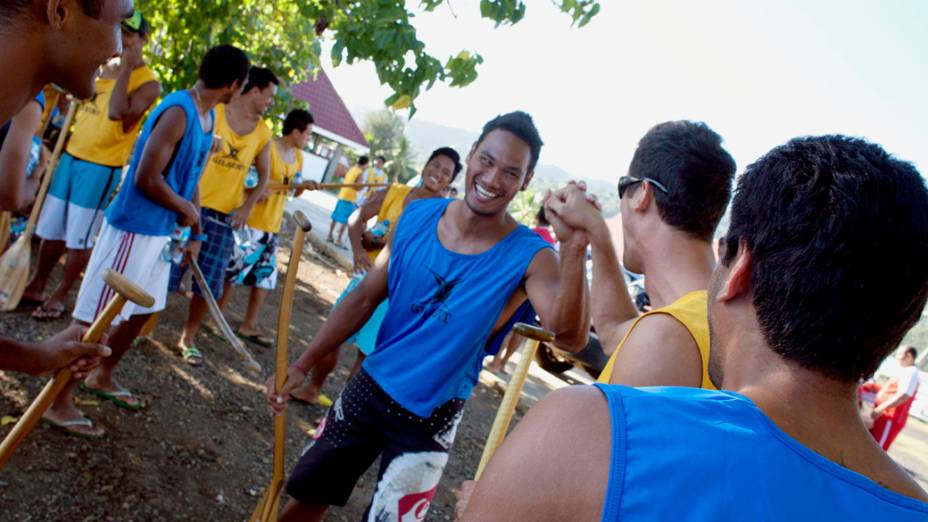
450	270
159	193
823	271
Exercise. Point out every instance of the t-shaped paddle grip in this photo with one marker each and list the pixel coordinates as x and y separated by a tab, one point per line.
128	289
302	221
533	332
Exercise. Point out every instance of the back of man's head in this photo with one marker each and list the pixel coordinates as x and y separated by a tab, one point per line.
838	230
10	9
363	160
688	159
224	65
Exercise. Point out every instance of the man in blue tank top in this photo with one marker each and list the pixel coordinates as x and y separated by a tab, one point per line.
823	271
450	270
158	193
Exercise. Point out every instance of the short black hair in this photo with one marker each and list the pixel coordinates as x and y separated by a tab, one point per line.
223	65
910	350
541	217
688	159
451	154
259	78
363	160
838	229
297	120
381	158
520	124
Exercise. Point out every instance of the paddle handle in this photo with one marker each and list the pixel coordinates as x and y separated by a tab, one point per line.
281	187
50	170
6	220
54	386
508	406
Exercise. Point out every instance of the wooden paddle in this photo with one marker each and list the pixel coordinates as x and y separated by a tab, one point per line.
508	405
6	221
274	186
125	291
269	506
14	264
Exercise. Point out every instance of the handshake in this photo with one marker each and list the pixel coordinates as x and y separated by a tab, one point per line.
575	214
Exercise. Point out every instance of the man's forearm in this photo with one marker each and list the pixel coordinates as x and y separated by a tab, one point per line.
157	189
119	99
571	322
893	401
16	356
347	318
611	304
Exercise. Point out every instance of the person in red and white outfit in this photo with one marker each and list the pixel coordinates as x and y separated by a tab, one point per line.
894	400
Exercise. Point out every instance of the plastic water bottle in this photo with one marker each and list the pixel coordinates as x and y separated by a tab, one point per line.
35	152
251	178
173	251
242	238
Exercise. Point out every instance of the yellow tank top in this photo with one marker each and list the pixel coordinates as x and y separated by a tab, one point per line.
222	186
347	193
95	137
268	214
692	311
391	209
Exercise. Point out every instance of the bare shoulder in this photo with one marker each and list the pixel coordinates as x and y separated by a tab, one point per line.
561	449
659	351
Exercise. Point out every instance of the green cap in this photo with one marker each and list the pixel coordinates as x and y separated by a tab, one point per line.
134	23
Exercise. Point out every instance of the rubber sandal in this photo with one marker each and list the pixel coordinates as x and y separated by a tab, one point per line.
66	426
322	400
114	397
192	356
47	314
258	339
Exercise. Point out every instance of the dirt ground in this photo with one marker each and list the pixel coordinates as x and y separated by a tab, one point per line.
202	447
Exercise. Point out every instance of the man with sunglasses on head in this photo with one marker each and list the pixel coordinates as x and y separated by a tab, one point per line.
672	199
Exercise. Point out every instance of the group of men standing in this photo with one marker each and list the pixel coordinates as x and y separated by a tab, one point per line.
823	270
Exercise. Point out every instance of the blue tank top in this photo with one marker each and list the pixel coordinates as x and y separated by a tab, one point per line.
132	210
694	454
443	306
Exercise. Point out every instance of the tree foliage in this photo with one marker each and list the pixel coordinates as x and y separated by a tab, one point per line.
385	130
285	35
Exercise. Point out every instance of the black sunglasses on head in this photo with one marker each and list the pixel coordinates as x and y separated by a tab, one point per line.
627	181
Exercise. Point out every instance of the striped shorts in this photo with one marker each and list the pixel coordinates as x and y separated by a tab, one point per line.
136	256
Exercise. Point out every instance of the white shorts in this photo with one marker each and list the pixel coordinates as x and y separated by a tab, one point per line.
63	221
136	256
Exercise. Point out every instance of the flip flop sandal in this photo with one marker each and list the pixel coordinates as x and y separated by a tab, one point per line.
66	426
114	397
47	314
28	302
258	339
192	356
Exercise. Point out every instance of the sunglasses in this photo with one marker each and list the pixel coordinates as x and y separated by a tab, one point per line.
627	181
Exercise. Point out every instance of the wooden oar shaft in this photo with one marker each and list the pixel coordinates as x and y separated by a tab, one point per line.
54	386
6	221
280	187
513	391
49	171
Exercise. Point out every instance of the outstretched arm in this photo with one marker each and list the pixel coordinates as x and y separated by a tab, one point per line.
347	318
149	175
64	349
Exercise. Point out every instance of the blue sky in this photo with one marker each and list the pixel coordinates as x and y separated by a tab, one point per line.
758	73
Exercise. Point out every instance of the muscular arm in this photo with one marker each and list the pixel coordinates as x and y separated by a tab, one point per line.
18	191
612	308
557	289
129	107
553	467
149	176
658	352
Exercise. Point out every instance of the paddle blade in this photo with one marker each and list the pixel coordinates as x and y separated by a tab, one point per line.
14	274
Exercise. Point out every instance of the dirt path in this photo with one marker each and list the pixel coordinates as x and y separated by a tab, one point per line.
201	448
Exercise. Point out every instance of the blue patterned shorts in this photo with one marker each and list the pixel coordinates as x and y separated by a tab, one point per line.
214	254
